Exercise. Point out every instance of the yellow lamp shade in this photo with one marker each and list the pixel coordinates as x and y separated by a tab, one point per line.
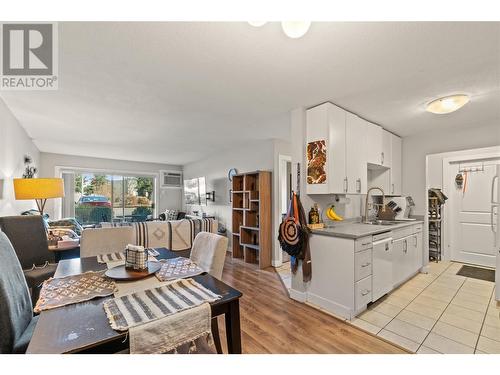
38	188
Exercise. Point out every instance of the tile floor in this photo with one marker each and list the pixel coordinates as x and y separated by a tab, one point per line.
285	275
438	312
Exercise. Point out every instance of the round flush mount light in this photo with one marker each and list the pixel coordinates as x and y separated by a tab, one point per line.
257	23
448	104
295	29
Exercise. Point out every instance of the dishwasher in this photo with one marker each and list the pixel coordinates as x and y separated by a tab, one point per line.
382	265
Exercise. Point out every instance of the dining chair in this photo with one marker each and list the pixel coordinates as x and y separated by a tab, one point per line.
209	253
97	241
17	322
28	237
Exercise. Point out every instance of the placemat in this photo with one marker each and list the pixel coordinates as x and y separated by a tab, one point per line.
177	268
152	304
73	289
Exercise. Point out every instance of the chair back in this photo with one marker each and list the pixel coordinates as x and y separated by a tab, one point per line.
96	241
28	236
209	253
15	302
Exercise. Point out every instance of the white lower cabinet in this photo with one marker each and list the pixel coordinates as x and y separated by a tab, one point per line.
363	290
348	274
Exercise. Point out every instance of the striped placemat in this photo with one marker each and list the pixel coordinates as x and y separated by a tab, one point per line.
152	304
113	257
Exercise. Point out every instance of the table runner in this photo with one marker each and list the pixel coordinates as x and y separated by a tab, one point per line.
177	268
152	304
185	332
118	259
73	289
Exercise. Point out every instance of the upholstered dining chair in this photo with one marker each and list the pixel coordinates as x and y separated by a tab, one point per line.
97	241
16	313
209	252
29	239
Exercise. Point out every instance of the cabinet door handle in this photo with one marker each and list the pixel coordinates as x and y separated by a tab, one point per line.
365	265
405	246
392	188
386	247
365	244
365	292
345	184
382	158
493	201
358	185
416	240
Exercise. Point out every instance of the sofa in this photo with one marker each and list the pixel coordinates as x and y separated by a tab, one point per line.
174	235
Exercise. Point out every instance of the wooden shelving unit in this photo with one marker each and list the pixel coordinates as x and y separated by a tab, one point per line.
251	219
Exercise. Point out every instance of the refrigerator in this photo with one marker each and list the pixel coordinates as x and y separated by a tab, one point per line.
495	227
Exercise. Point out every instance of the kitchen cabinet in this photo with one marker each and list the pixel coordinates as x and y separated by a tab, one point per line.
396	161
407	253
386	155
327	122
373	142
359	154
356	166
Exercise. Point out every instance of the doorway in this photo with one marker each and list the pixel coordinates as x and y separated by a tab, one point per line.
468	184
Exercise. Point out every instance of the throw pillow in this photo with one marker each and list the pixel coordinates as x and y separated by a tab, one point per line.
171	214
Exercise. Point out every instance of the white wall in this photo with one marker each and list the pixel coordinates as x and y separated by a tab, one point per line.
417	147
14	144
249	157
168	198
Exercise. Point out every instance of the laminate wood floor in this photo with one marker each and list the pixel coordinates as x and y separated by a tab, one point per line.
271	322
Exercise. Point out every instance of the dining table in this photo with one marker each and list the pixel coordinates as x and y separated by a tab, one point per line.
84	327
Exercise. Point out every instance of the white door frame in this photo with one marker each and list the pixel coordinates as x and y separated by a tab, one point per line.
448	164
282	161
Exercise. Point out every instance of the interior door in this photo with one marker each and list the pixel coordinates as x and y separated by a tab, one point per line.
495	226
472	240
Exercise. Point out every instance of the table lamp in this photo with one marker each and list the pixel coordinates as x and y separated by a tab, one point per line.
39	189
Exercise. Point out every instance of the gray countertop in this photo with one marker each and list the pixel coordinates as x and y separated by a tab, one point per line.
356	230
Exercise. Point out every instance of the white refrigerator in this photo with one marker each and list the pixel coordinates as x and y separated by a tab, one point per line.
495	227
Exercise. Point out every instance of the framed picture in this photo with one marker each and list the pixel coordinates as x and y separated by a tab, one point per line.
316	162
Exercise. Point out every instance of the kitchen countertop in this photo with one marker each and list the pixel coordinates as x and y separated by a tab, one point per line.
357	230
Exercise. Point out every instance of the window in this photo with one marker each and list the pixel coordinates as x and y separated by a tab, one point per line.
93	198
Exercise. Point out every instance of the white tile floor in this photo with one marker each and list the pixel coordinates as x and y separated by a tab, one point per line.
438	312
285	275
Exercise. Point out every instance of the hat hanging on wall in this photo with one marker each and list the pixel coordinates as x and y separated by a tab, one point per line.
459	180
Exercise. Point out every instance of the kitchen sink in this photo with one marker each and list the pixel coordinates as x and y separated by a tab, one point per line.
380	222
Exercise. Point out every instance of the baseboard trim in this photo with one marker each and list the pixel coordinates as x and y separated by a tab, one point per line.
297	296
330	306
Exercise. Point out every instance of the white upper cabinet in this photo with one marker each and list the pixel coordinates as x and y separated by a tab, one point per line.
356	166
325	123
386	156
374	135
396	157
339	147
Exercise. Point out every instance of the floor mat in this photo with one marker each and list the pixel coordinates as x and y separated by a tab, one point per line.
477	273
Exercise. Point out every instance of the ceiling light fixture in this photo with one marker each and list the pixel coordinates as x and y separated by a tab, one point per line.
257	23
295	29
448	104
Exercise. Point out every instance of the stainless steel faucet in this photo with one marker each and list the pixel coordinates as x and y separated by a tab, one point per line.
366	221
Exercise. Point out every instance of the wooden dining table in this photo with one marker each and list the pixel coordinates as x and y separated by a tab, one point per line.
84	327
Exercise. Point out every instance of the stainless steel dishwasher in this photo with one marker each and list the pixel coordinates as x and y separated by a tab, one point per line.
382	265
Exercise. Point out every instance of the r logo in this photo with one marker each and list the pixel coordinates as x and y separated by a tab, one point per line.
27	50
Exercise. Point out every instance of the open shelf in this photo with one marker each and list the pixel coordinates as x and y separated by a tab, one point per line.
252	218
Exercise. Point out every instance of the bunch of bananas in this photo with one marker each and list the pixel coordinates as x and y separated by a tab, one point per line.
332	215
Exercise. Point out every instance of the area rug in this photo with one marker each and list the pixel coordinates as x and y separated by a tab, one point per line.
477	273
